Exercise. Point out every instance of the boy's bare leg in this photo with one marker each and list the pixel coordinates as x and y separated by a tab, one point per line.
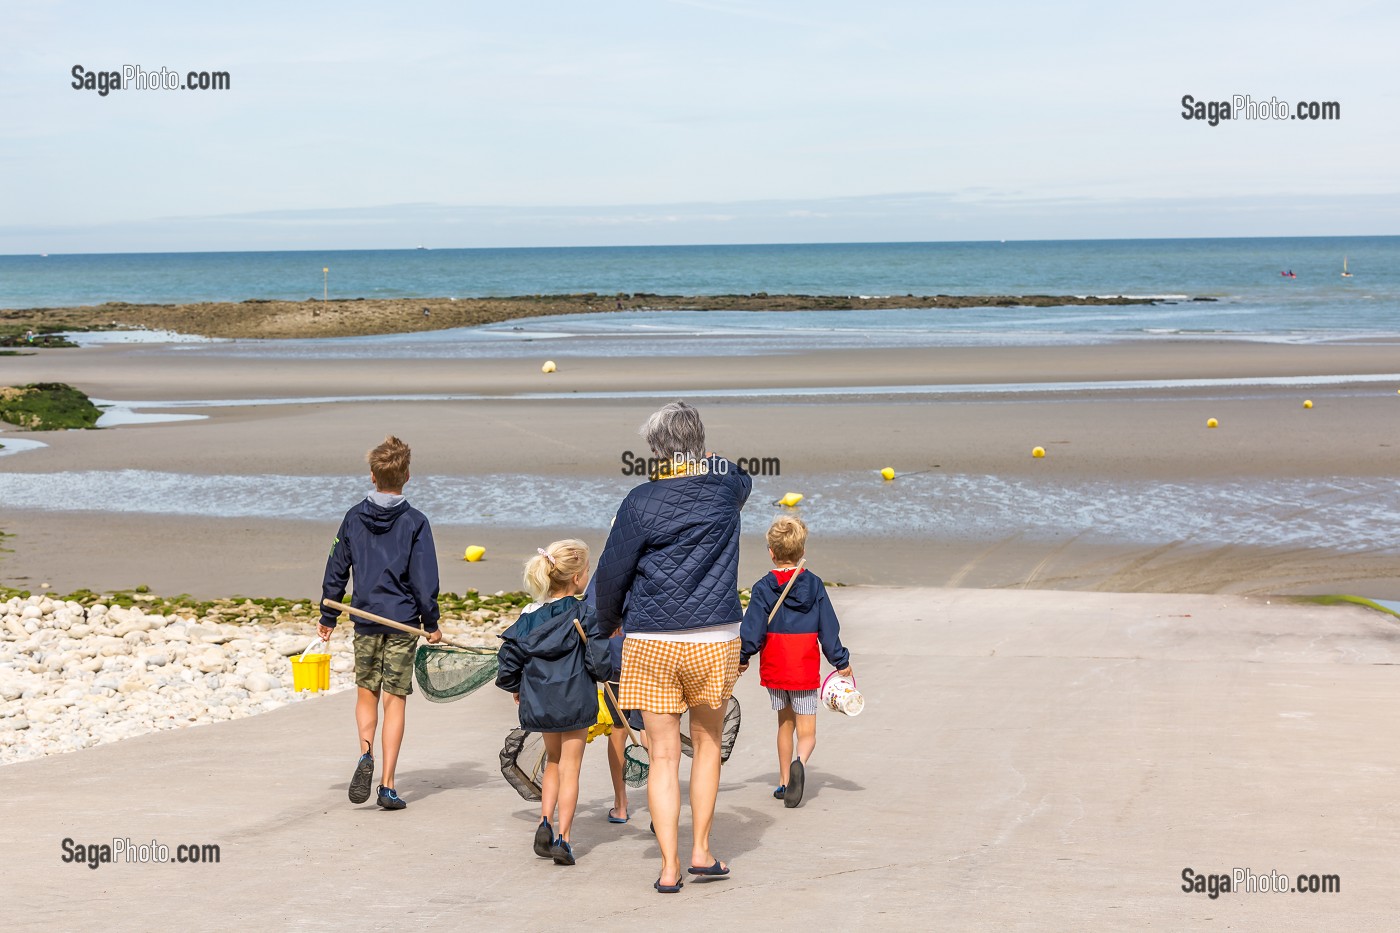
664	787
617	749
366	717
549	782
393	734
706	730
570	764
806	736
787	725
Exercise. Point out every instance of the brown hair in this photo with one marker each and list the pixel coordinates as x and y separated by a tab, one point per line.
555	567
389	463
787	538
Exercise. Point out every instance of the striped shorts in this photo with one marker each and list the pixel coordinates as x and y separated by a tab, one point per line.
803	702
672	676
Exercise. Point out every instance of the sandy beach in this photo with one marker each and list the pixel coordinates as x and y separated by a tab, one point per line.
1108	429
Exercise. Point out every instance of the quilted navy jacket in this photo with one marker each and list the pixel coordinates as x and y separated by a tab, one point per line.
672	558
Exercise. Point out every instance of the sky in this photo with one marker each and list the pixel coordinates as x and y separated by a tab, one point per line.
462	124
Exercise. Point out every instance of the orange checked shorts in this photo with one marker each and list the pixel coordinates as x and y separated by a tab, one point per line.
672	676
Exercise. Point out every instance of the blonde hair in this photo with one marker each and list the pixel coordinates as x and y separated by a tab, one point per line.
389	463
555	567
787	538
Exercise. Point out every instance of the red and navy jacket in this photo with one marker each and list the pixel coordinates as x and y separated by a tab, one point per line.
806	620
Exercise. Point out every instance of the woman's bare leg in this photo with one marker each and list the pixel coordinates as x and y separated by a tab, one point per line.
664	788
706	730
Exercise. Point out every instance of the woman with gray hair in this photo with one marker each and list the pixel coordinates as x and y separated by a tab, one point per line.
669	576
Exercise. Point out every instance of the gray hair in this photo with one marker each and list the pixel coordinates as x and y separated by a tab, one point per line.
675	431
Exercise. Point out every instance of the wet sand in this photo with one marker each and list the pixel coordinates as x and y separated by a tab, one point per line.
1113	436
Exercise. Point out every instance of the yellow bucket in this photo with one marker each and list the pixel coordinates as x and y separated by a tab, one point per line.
311	671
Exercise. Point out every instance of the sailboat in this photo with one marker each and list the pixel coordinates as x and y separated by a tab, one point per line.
1345	273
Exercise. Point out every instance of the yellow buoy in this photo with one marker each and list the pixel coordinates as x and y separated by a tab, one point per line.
1212	423
1038	452
790	499
548	367
887	472
474	553
1307	403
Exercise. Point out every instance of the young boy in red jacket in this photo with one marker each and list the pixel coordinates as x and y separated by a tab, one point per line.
788	638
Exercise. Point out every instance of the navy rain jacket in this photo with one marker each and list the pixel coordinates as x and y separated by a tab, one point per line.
391	553
672	558
543	659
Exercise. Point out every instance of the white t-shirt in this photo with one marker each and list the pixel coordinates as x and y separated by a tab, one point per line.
707	635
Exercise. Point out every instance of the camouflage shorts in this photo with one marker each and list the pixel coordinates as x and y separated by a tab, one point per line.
385	662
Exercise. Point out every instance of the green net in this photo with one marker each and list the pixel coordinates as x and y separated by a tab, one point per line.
523	761
446	673
733	717
636	763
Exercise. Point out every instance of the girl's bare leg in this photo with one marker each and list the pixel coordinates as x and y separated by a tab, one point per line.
549	783
570	764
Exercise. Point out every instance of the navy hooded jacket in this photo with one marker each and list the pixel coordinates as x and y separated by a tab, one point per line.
789	645
671	562
391	553
543	659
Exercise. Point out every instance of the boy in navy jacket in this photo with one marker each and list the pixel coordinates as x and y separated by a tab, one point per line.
788	640
388	545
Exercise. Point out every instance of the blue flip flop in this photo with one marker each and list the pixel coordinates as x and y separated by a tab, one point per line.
613	819
716	870
668	888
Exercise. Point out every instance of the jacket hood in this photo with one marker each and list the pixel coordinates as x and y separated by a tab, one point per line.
548	632
378	519
804	593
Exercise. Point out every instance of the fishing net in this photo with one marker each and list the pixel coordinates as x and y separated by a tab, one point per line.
729	735
636	764
522	762
446	673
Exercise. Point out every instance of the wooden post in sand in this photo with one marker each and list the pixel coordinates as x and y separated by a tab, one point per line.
325	283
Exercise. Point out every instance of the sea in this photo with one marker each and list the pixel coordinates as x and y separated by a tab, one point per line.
1276	289
1250	301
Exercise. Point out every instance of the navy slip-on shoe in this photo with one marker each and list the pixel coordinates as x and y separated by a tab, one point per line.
360	780
797	776
562	852
389	799
544	839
